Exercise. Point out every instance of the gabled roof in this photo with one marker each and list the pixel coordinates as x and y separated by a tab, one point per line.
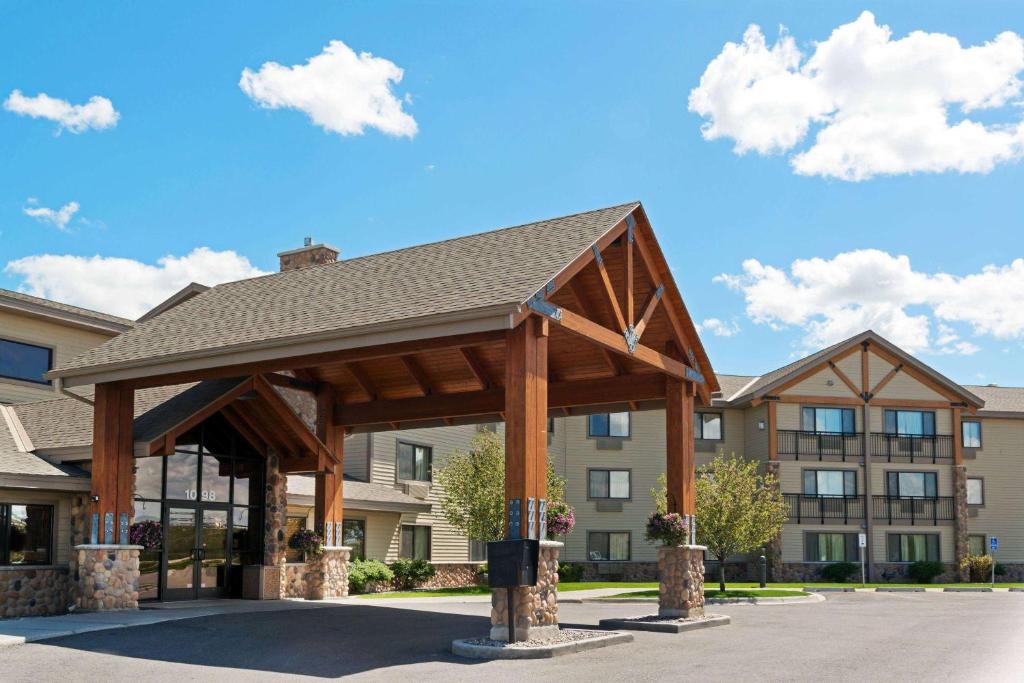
766	383
482	277
999	401
63	313
182	295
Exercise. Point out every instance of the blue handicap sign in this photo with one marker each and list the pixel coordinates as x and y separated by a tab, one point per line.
994	543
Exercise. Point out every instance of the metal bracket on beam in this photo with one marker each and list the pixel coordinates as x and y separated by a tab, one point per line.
597	254
631	338
541	305
630	223
514	511
694	376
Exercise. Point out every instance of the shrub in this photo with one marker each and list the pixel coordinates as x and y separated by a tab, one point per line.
838	572
411	573
363	572
978	567
924	571
307	541
667	528
569	572
1000	569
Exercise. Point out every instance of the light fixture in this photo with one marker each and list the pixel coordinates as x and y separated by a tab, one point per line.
830	383
761	425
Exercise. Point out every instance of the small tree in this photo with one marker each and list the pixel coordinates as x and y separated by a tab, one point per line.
474	484
738	509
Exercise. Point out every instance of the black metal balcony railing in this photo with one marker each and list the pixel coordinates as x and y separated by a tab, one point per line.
912	510
900	446
824	509
819	445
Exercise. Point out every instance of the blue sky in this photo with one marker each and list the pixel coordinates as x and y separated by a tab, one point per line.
521	112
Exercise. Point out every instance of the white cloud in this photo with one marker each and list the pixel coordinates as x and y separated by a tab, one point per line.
58	217
123	286
832	299
340	91
98	112
879	106
718	327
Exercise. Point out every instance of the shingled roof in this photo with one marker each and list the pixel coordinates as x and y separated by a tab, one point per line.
1000	401
74	315
486	274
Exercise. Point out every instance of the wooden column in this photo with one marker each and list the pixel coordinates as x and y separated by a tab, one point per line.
113	463
680	470
329	498
526	422
773	430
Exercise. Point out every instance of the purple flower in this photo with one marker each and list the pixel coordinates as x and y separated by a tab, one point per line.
667	528
561	519
149	534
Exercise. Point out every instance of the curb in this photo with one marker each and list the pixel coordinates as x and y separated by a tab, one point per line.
829	589
900	590
949	589
463	648
797	599
1017	590
710	621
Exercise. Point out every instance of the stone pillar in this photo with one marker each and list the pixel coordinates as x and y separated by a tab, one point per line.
275	513
327	574
107	577
681	584
960	544
774	547
536	607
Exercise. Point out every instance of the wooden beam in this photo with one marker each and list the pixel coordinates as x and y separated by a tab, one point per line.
601	391
329	494
125	459
885	380
627	245
526	405
812	370
958	438
362	379
649	307
416	372
475	366
680	468
909	403
255	440
567	274
915	373
296	426
846	380
610	359
817	400
158	445
773	430
864	370
113	458
289	382
609	291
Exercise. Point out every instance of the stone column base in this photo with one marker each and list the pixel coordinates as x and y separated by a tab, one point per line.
681	583
536	607
327	574
107	577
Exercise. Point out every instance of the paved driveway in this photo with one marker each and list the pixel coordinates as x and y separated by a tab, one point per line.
864	636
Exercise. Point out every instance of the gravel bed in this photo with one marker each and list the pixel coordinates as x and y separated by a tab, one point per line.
565	635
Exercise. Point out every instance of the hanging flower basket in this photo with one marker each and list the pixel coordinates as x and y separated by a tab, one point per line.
667	528
149	534
561	519
308	542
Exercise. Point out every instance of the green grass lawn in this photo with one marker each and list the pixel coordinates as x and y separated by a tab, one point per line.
436	593
756	593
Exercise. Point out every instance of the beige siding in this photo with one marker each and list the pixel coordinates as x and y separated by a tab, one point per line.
66	342
878	368
357	454
756	440
850	366
1000	463
903	386
825	383
61	503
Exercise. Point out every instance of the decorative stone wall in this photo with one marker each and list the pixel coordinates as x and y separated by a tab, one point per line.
618	571
960	543
535	607
294	580
327	574
897	573
79	536
453	575
274	519
107	577
681	587
33	591
1014	573
773	551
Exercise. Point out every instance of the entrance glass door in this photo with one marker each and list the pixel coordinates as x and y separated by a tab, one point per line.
179	572
197	553
212	547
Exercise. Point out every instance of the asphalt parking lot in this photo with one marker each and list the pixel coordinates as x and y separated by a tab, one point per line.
863	636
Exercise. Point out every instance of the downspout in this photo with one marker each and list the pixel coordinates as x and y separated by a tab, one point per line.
58	386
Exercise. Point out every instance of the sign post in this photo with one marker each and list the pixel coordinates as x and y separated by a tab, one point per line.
862	543
993	544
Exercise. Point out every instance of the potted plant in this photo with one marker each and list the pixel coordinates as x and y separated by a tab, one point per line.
149	534
667	528
307	541
561	518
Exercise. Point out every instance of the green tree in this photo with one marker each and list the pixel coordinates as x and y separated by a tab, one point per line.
474	484
738	509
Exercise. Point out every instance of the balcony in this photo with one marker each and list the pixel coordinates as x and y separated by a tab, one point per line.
805	509
819	445
912	448
912	511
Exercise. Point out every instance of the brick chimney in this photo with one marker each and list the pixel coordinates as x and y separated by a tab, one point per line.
309	255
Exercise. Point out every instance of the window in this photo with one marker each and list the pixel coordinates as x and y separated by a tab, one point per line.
913	547
414	462
830	482
26	362
830	420
609	484
608	424
910	423
976	545
972	434
830	547
477	551
608	545
912	484
975	491
551	425
353	535
415	542
292	526
25	533
707	426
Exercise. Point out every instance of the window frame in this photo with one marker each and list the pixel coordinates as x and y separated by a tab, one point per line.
609	470
482	544
816	470
51	358
851	546
898	495
609	435
608	533
963	434
354	520
698	418
399	479
5	535
967	487
429	537
896	413
984	543
899	534
812	428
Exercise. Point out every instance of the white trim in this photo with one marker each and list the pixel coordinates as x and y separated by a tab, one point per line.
21	439
67	317
745	387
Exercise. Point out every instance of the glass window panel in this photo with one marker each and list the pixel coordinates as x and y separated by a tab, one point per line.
26	362
975	492
597	425
246	482
293	525
598	483
182	471
698	426
415	542
28	539
976	545
147	511
216	479
353	534
149	574
597	545
413	462
810	483
214	540
828	420
245	535
712	426
477	551
849	483
808	419
618	424
618	546
910	423
422	455
149	476
618	484
911	484
972	434
928	424
931	484
830	483
849	421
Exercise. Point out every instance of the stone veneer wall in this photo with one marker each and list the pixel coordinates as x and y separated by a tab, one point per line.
773	551
33	591
327	574
535	607
107	577
274	519
960	524
681	587
294	582
453	575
